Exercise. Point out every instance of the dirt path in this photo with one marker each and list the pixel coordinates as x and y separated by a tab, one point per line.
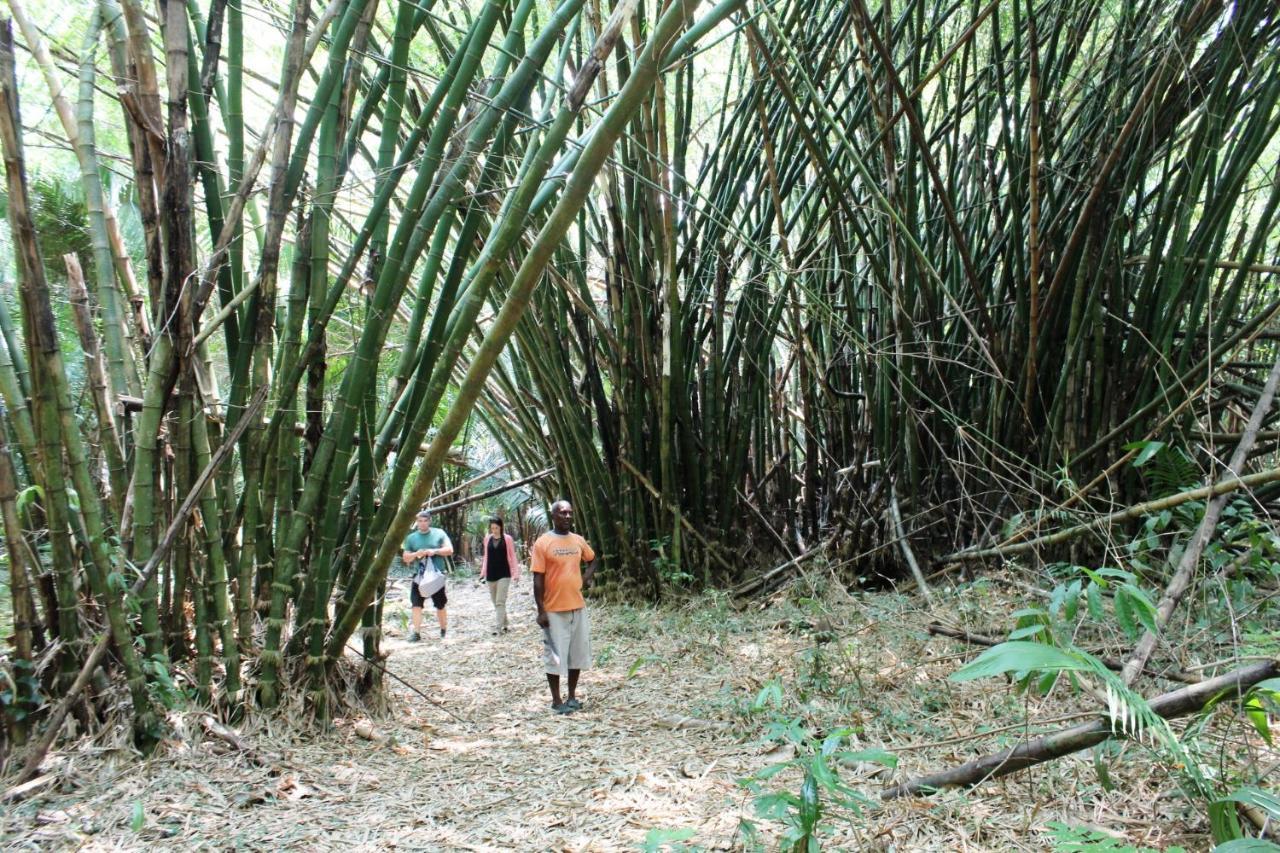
505	774
516	775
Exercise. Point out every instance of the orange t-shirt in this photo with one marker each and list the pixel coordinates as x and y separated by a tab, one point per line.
560	558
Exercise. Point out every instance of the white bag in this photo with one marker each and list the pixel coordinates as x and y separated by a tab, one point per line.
430	580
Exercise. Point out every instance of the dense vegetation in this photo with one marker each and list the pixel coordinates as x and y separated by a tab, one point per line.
888	286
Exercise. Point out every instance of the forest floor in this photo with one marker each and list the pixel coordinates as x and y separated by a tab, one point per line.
684	704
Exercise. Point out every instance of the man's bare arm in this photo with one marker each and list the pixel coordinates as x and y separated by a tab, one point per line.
539	589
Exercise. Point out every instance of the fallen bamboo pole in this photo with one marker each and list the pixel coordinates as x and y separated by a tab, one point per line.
1177	703
471	482
505	487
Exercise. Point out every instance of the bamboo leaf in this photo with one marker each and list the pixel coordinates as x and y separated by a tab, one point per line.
1015	657
1268	801
1148	450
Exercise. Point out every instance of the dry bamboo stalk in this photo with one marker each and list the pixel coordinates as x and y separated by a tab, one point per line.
497	490
1048	747
900	534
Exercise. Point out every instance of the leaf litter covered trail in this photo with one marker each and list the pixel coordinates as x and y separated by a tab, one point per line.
681	706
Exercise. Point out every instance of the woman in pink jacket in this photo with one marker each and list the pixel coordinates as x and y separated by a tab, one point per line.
498	567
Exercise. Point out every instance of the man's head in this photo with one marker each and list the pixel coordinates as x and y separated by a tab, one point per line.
423	521
562	516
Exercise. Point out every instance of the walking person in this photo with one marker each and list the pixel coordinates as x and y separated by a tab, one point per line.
425	549
556	561
498	568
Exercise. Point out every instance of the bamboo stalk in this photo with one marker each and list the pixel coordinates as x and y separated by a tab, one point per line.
58	423
108	437
103	228
1177	703
53	724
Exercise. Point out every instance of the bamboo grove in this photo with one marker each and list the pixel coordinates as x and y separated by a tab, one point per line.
750	276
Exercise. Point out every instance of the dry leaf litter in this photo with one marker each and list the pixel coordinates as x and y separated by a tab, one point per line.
666	735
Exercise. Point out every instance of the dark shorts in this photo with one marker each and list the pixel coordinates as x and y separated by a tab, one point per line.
438	599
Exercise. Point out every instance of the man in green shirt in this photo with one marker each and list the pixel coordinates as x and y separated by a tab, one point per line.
426	547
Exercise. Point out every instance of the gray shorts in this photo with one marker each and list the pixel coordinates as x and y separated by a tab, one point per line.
566	642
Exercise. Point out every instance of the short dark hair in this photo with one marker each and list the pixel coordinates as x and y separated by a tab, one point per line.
424	513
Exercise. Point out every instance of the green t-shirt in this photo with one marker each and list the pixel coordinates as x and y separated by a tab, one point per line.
433	538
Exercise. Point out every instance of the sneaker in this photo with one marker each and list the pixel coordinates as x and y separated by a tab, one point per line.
442	633
413	637
562	709
573	703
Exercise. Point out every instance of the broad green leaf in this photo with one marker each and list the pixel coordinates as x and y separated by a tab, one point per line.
770	771
1093	596
656	839
878	756
810	806
1268	801
1258	716
1072	604
1017	656
1147	449
139	818
1124	615
1248	845
1028	631
775	806
1142	606
771	693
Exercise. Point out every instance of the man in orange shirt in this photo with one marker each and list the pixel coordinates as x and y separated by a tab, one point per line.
558	580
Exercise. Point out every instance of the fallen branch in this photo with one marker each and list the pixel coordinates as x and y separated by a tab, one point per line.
1136	511
1178	703
1113	664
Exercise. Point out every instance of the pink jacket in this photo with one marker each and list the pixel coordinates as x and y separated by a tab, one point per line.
511	556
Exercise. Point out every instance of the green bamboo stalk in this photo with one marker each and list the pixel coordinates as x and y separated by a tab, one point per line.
14	392
220	608
23	605
406	244
57	419
108	437
78	127
592	159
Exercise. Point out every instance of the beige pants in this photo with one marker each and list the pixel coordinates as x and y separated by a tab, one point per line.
498	595
566	642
